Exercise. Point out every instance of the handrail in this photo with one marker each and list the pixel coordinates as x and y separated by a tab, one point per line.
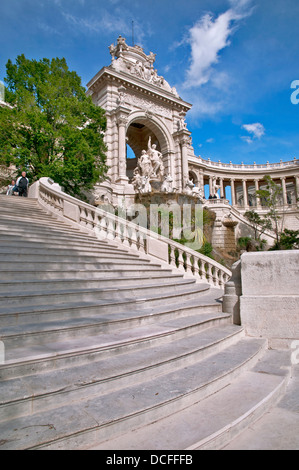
107	226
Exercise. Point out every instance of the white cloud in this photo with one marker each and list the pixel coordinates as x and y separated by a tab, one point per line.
257	130
208	37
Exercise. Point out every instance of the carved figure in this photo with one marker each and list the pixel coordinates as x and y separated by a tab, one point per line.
145	185
215	188
167	185
145	164
189	186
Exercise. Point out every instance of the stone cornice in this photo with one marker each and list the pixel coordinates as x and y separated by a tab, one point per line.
109	75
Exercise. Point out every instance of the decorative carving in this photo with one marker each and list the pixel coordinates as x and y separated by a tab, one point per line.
149	168
167	186
133	60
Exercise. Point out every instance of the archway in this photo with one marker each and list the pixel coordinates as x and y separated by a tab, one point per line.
140	128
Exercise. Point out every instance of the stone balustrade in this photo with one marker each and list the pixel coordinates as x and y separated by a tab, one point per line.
254	166
105	225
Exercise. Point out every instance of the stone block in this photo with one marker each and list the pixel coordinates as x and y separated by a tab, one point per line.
271	273
269	305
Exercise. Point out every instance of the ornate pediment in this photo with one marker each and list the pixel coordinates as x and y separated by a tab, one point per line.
132	60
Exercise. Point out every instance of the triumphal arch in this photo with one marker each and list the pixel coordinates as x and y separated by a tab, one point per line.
149	148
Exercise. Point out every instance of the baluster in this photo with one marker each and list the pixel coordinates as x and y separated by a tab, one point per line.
189	264
216	278
90	219
126	235
181	261
110	228
196	268
134	239
209	274
172	260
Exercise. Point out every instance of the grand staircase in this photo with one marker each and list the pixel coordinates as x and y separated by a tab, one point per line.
105	349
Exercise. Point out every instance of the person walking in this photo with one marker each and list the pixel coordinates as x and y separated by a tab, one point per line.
22	184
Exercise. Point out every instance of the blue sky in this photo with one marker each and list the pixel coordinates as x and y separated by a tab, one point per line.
233	60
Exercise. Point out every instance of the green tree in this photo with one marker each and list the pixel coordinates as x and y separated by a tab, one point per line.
289	240
271	199
52	128
259	224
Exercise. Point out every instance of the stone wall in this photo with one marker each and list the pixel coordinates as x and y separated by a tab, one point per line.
269	305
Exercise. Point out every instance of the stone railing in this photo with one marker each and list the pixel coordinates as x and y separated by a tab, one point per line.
108	226
254	166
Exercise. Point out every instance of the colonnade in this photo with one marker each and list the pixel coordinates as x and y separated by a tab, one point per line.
243	190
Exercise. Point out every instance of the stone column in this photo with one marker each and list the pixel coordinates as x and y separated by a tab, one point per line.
183	139
222	195
210	185
122	149
245	195
257	187
233	191
284	191
185	172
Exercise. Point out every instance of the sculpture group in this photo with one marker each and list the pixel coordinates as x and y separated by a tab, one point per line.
149	168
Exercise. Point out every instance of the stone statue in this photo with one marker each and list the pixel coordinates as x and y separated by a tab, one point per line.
149	168
189	186
145	164
137	180
156	160
145	185
215	188
167	185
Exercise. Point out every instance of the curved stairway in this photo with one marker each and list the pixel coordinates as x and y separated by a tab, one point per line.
100	342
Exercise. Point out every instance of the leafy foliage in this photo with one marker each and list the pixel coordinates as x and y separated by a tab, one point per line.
271	199
52	129
289	240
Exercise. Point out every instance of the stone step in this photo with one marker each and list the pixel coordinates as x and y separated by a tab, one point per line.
58	284
53	297
43	234
107	263
26	395
113	339
33	219
89	421
22	248
86	244
34	325
14	259
195	428
42	273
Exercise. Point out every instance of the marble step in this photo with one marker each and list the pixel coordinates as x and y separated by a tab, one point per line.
45	273
70	321
79	250
113	339
35	393
52	297
88	421
18	258
215	421
91	282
